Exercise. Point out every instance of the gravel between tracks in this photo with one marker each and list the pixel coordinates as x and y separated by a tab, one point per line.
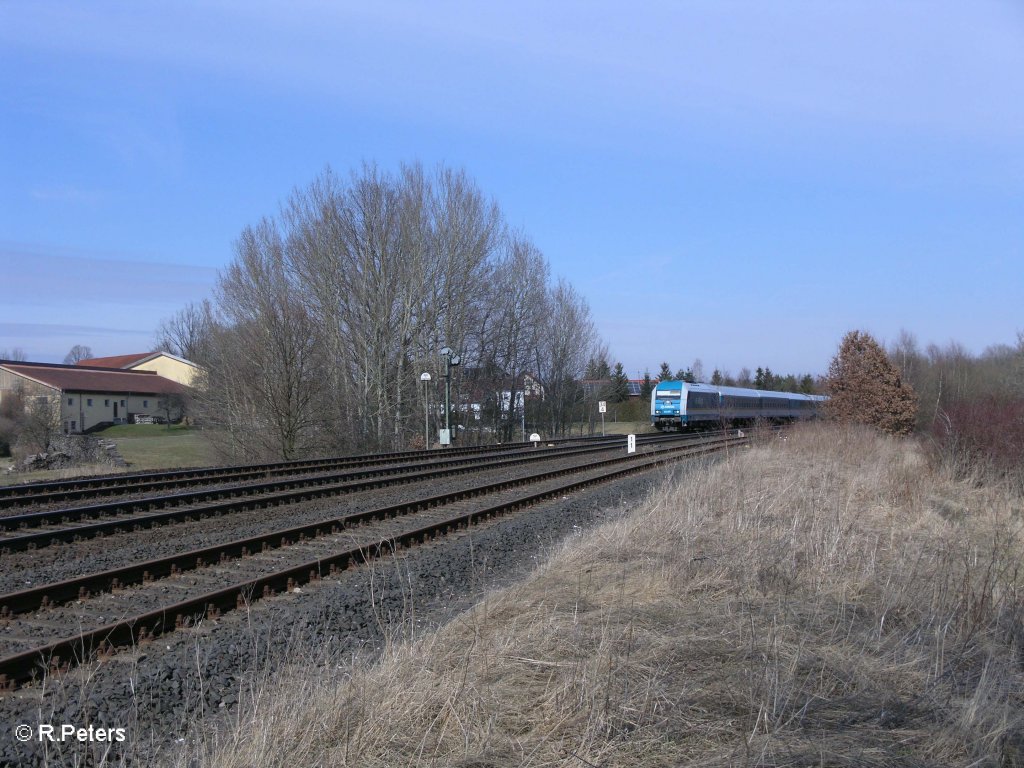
156	691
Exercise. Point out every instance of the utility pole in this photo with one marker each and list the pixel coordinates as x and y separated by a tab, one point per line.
425	378
450	360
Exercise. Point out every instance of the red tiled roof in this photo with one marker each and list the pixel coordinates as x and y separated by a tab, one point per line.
117	361
72	378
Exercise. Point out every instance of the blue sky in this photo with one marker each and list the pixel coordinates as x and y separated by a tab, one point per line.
736	182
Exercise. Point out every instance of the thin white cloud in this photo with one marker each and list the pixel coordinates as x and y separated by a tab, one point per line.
66	193
920	67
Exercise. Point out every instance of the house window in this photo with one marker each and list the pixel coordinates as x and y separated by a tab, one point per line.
74	425
145	403
122	403
106	403
89	402
71	401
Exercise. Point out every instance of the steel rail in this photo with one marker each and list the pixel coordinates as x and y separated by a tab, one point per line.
272	493
47	492
438	459
61	654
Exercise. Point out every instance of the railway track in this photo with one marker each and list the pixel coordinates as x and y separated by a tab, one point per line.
41	631
48	493
75	523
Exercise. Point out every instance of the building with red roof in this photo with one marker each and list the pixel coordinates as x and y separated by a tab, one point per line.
164	363
91	396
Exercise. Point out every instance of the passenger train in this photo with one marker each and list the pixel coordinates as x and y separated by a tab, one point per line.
681	405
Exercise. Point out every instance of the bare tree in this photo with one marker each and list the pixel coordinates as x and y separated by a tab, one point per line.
394	269
78	352
565	344
511	328
697	369
17	354
39	424
187	332
174	406
262	383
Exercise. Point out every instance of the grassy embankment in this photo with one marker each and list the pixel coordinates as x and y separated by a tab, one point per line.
143	446
827	599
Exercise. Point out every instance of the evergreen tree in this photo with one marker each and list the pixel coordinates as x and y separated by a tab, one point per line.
647	387
665	374
620	385
865	387
717	379
597	369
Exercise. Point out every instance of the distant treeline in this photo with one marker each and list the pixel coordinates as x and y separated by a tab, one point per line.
970	406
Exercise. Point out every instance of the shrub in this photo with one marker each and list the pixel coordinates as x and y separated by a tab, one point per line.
866	388
985	433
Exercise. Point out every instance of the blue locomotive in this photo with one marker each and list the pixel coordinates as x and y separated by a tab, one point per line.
681	405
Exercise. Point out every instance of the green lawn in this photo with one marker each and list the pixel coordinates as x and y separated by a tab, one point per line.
144	430
154	446
627	427
143	446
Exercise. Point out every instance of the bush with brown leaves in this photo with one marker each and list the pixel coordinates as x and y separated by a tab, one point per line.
866	388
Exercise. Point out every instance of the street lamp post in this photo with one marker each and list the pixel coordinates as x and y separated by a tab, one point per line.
425	378
450	360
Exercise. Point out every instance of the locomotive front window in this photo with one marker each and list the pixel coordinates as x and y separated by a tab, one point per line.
669	394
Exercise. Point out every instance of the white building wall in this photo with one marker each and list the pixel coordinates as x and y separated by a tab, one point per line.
83	410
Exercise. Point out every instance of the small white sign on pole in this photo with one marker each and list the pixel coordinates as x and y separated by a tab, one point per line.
630	443
602	406
534	438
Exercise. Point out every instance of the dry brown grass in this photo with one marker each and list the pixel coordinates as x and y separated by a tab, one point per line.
820	600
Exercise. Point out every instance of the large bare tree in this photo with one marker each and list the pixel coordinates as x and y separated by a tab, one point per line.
262	383
348	295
